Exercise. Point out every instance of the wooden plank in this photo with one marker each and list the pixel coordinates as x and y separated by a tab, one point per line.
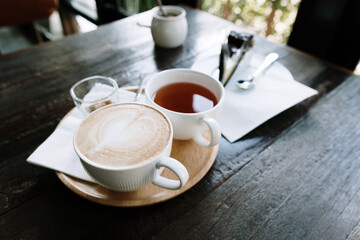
296	188
345	221
83	55
355	233
253	183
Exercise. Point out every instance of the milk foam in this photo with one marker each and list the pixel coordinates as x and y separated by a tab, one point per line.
123	135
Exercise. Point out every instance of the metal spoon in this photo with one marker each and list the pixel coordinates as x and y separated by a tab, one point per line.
249	83
140	87
161	8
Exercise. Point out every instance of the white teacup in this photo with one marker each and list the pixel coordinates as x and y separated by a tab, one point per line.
189	125
171	31
125	146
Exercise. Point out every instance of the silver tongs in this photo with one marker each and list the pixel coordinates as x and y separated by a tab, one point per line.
232	53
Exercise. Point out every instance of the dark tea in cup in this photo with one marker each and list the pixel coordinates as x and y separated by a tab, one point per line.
185	97
191	100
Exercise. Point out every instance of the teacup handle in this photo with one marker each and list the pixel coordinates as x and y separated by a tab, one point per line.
215	133
177	168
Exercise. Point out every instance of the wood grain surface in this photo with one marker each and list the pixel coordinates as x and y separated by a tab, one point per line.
294	177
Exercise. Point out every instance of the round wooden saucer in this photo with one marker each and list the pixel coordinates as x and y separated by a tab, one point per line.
197	160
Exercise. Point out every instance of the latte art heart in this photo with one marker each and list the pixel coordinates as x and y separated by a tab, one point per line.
121	132
123	135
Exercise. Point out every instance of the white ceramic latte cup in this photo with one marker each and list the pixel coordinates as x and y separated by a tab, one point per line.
133	177
189	125
171	31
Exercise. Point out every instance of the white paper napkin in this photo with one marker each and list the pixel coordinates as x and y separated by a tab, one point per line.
57	151
243	110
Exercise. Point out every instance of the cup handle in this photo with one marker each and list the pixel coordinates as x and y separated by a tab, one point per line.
177	168
214	132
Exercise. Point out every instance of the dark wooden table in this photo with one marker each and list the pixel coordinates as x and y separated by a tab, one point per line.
297	176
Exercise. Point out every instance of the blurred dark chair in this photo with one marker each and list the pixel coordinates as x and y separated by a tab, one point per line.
329	29
96	11
14	12
20	12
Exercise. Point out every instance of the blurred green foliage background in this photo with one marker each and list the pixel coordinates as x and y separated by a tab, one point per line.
269	18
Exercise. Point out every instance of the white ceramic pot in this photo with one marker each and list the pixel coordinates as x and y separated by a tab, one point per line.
169	32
